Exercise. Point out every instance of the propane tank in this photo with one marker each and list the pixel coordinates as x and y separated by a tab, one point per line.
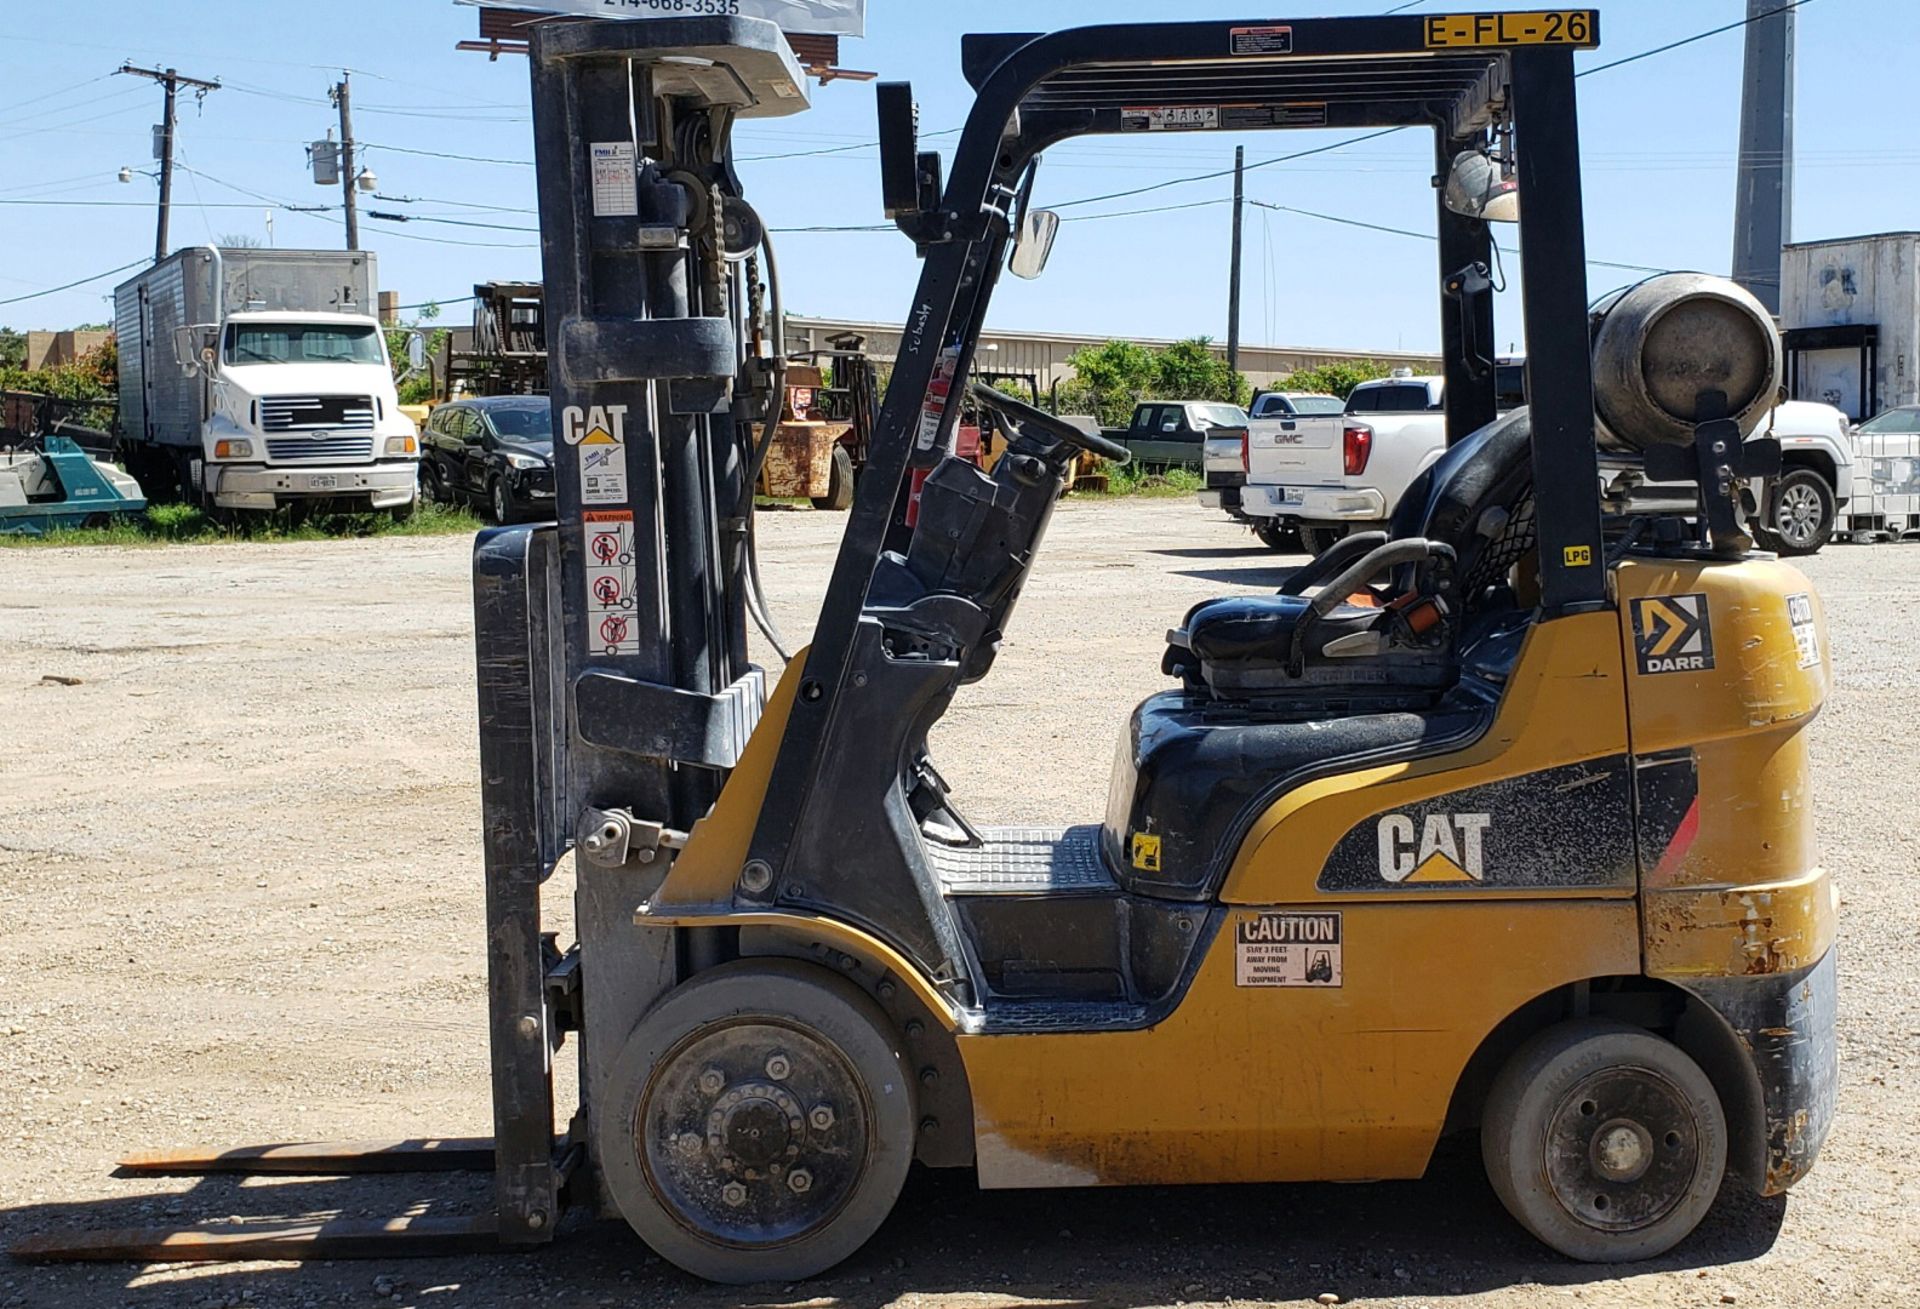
1657	345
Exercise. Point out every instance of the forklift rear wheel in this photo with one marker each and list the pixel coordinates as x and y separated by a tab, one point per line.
839	496
759	1123
1605	1141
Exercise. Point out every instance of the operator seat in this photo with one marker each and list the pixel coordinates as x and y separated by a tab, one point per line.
1459	528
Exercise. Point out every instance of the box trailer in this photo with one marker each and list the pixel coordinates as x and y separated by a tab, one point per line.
255	379
1850	310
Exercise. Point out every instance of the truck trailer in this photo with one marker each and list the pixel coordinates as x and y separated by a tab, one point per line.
259	379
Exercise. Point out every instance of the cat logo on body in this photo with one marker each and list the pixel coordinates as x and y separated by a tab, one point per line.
1438	848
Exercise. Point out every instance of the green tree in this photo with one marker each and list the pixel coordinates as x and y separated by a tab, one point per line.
13	348
1337	378
1190	370
1109	380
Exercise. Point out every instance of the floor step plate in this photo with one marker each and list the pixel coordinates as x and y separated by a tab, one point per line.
1025	861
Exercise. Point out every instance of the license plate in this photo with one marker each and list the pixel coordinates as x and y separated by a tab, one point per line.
1574	27
1293	495
322	482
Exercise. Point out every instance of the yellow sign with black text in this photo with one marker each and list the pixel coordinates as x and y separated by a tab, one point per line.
1579	28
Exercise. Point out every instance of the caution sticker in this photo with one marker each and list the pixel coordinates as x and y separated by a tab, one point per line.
611	629
603	470
1170	118
1146	852
1806	632
1263	40
1287	950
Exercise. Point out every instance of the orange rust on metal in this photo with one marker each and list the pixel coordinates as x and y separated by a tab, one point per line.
321	1158
331	1239
800	460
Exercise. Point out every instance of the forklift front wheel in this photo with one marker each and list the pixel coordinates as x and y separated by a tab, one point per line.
1605	1141
758	1123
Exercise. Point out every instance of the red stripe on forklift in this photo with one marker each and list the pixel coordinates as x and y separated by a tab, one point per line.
1682	841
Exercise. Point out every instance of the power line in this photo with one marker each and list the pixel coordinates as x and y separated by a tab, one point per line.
446	154
1428	236
70	285
1697	36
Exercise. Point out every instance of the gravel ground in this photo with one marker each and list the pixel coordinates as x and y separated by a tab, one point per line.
241	902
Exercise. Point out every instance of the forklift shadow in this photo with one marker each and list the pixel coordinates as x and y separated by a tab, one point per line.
1259	567
1127	1248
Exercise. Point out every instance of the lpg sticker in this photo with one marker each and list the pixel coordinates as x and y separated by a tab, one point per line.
1146	852
1169	118
611	629
1806	632
1263	40
616	186
1287	950
1673	634
1440	848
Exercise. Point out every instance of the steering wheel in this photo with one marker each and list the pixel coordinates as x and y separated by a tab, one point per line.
1023	415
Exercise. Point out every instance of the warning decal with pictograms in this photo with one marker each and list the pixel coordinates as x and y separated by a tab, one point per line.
611	629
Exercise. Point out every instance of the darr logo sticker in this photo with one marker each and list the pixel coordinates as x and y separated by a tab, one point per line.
1438	848
1673	634
1146	852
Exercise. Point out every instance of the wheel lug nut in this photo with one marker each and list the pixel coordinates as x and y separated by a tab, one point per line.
821	1117
800	1181
734	1194
778	1067
712	1081
689	1143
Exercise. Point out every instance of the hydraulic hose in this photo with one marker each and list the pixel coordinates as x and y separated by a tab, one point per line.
756	593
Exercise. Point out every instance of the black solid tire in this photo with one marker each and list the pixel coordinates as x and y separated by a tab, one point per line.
826	1008
433	487
839	496
1532	1088
1790	535
1279	536
1319	539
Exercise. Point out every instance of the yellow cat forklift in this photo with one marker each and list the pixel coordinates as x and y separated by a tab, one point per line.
1497	821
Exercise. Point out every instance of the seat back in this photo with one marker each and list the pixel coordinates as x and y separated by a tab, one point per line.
1477	498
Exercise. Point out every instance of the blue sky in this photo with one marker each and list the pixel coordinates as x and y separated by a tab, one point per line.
1658	142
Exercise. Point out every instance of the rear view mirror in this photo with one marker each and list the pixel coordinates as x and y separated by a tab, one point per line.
416	351
1037	232
1479	186
193	347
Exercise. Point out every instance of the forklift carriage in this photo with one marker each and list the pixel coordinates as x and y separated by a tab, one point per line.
1500	820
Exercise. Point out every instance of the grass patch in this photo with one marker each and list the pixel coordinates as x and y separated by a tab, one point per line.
1132	480
186	525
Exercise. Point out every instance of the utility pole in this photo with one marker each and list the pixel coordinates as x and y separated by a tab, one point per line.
1763	186
171	81
342	97
1233	286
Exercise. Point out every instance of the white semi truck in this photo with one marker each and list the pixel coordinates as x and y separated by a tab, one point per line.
259	379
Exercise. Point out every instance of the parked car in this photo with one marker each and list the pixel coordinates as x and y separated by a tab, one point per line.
1294	404
1328	474
1171	433
494	453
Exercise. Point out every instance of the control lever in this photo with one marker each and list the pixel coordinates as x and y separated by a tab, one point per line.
1466	288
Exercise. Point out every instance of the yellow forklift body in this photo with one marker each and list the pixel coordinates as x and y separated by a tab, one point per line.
1565	704
1250	1084
1739	892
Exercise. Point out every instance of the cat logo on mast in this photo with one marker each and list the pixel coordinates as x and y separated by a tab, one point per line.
1438	848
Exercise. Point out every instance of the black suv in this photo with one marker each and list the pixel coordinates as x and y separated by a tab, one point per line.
494	453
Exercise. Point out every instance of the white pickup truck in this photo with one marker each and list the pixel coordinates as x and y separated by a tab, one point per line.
1225	456
1328	475
1332	477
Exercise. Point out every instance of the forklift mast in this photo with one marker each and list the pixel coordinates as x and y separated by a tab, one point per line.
614	683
